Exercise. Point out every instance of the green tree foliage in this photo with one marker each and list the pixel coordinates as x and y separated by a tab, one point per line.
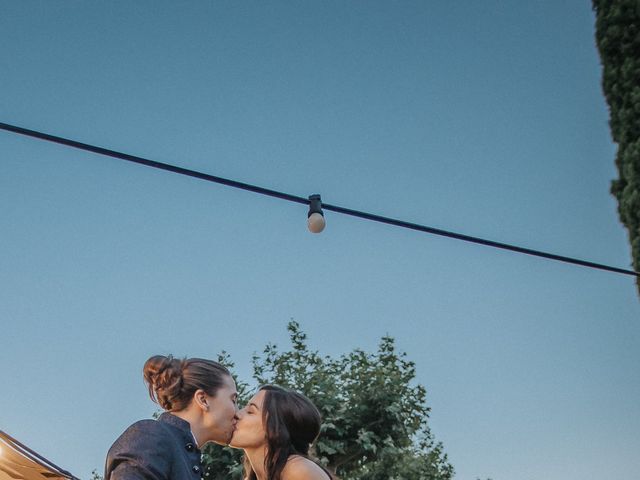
618	40
374	416
219	462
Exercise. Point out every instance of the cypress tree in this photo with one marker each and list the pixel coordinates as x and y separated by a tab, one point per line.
618	41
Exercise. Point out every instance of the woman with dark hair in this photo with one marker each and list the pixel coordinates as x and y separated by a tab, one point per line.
276	430
199	399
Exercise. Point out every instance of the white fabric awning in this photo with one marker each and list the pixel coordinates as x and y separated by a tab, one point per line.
18	462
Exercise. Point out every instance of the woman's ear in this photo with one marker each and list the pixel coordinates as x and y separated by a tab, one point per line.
200	398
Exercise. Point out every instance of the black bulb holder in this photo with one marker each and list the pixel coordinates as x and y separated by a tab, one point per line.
315	205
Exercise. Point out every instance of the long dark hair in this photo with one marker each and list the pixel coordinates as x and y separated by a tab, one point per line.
292	423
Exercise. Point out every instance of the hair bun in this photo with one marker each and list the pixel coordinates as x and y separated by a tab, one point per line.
164	378
173	382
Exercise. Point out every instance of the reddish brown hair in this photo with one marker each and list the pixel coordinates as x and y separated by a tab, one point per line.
172	382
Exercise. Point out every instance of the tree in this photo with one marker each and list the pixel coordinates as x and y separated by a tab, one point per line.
374	416
219	462
618	40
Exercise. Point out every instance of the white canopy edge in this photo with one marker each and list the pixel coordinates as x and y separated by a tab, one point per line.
19	462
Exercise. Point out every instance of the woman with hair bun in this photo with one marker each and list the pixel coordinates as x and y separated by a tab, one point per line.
199	398
276	430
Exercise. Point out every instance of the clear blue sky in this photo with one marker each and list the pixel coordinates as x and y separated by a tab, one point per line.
485	118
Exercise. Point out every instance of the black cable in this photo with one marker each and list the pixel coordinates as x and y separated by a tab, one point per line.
305	201
481	241
151	163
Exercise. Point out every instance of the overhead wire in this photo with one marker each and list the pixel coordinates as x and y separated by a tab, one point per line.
305	201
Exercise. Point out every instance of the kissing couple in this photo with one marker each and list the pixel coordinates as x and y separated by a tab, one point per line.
199	398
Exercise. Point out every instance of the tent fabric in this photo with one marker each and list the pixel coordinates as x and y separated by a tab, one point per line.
18	462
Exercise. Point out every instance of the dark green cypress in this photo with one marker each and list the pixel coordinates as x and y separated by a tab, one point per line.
618	40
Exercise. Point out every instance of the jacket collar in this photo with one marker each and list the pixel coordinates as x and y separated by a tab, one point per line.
177	422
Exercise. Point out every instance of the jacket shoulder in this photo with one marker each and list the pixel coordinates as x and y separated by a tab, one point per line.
146	425
144	450
143	431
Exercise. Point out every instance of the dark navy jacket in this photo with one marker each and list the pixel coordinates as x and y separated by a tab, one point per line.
162	449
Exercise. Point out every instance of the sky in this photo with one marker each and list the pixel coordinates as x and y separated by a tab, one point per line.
484	118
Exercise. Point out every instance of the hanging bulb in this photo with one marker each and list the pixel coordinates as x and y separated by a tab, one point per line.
316	222
315	218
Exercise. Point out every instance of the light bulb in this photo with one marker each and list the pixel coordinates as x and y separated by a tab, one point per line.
316	222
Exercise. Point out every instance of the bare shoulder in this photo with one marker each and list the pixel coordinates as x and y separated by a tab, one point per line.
300	468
